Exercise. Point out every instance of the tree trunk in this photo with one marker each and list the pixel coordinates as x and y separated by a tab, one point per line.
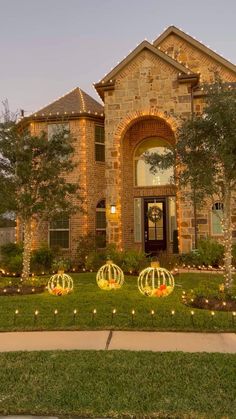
228	240
27	249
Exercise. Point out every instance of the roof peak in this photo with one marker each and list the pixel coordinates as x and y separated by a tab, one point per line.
76	101
196	43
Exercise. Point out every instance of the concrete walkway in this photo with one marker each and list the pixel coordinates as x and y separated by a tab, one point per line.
115	340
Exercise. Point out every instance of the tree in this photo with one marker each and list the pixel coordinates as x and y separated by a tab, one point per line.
205	157
33	178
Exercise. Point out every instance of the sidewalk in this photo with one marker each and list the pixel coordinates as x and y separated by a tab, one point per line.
118	340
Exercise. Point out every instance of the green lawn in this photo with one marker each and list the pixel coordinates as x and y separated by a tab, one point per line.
104	384
87	296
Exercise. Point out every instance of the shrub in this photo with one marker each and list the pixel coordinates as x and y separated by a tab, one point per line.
11	257
210	252
11	249
133	261
61	264
167	260
86	245
42	259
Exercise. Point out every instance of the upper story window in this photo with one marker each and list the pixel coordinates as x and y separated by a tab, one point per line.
143	175
59	230
216	218
99	143
55	128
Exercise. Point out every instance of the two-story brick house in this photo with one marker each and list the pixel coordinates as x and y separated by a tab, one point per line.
143	97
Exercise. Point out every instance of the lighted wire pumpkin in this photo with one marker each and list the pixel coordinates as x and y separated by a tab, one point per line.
60	284
155	281
110	277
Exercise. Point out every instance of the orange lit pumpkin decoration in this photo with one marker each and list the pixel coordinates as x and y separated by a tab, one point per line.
110	277
155	281
60	284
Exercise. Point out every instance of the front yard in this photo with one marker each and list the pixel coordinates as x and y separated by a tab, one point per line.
168	313
118	384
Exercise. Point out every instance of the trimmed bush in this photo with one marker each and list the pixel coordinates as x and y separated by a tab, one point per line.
42	259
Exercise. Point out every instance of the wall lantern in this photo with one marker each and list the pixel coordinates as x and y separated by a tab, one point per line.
113	209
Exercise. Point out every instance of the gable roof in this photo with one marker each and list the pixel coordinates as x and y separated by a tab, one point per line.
73	103
109	79
197	44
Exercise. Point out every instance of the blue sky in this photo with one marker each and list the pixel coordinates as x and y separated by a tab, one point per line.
48	47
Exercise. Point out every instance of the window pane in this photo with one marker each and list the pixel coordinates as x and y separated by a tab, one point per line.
137	220
59	238
99	152
143	175
101	219
99	134
216	222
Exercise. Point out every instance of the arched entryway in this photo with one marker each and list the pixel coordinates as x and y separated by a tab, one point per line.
148	202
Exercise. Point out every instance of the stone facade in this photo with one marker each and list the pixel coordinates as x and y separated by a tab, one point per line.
144	96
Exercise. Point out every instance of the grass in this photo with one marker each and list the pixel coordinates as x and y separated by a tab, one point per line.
116	383
87	296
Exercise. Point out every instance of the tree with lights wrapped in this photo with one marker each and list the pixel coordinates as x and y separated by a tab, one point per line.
33	179
205	158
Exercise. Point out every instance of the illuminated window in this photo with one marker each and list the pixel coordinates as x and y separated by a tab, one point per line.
143	175
101	223
99	143
216	217
59	230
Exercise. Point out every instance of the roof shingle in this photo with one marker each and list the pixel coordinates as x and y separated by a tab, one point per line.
74	102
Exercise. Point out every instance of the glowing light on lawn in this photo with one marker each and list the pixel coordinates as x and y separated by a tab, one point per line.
110	277
155	281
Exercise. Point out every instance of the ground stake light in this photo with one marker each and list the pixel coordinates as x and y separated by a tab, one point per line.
60	284
155	281
110	277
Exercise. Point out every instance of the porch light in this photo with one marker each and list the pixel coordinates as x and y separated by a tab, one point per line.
113	209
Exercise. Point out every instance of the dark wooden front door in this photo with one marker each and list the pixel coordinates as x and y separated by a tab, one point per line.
155	225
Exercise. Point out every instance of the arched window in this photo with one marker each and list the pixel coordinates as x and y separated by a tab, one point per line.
216	217
101	223
143	175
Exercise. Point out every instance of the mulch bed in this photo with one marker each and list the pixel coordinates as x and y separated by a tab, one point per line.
213	304
21	290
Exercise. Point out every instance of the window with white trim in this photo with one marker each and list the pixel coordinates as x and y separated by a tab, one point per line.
59	233
143	175
99	143
216	218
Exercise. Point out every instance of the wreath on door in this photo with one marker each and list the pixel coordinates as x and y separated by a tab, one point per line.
154	214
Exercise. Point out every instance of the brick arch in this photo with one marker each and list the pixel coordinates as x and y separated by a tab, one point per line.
146	128
138	117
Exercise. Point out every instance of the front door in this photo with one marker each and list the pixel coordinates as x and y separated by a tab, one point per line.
155	225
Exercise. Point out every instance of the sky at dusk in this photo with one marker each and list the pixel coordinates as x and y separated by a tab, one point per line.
49	47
